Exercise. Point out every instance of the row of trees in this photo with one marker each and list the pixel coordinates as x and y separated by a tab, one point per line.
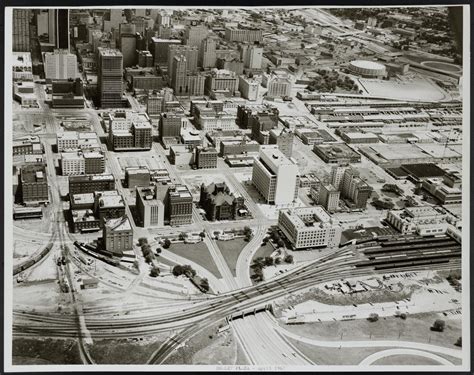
149	255
260	263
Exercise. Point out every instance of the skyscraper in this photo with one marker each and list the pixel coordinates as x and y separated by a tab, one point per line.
195	34
21	30
191	53
275	176
58	28
178	74
60	64
110	68
207	53
62	29
252	57
128	47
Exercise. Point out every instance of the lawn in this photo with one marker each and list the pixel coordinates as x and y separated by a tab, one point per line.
331	356
405	360
415	328
231	250
198	253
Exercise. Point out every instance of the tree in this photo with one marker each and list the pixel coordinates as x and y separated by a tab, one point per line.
258	272
204	285
259	261
149	258
189	271
183	236
269	261
166	243
278	261
403	316
155	271
373	317
247	230
158	251
439	325
281	243
289	259
202	234
459	342
142	241
177	270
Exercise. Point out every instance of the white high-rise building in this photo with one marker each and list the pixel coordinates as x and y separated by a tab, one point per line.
252	56
150	209
337	175
60	64
275	176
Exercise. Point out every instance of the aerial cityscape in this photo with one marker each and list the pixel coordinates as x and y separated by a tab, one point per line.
249	188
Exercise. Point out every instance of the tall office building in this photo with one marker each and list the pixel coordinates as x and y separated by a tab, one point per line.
337	174
191	53
160	49
42	24
178	205
110	69
355	189
164	19
252	56
60	64
329	197
118	235
21	30
170	125
207	53
275	176
151	210
114	19
128	47
195	34
62	29
178	74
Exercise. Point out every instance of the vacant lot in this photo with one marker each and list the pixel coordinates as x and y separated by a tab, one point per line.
405	360
231	250
45	351
198	253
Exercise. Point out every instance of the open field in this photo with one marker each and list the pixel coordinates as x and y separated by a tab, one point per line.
415	328
198	253
405	360
231	250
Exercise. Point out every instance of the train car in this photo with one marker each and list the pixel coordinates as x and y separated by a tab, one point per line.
22	213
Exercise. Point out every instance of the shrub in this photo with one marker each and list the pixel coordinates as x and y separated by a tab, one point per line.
289	259
142	241
204	285
269	261
439	325
373	317
166	243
